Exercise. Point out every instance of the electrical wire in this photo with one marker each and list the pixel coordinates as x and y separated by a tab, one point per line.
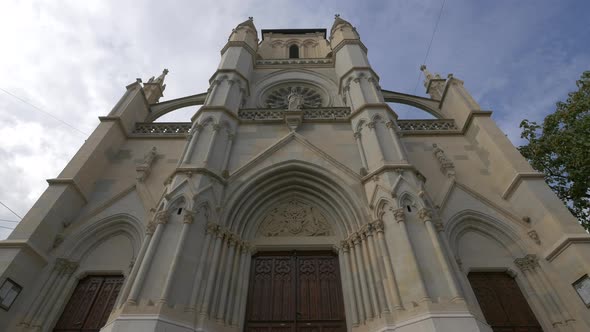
45	112
6	220
430	45
9	209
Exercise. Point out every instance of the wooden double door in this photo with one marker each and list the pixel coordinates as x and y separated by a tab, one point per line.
295	291
503	304
90	305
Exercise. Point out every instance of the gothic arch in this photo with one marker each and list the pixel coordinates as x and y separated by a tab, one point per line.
90	237
160	109
293	179
428	105
494	229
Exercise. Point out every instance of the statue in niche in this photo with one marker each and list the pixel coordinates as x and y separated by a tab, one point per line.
295	100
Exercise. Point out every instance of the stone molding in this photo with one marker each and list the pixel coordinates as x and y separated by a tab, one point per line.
294	218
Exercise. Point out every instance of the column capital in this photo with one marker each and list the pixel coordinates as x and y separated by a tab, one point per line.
371	124
378	225
357	135
151	227
355	238
439	226
425	214
344	246
212	228
399	215
390	124
189	217
216	127
527	263
162	217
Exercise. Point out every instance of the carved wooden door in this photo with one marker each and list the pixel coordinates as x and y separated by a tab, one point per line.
503	304
90	304
295	292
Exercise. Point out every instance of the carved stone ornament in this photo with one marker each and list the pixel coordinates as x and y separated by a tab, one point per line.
528	262
143	169
399	215
295	218
58	240
534	236
425	214
446	165
294	97
151	227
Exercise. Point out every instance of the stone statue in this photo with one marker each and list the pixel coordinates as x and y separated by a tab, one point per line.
295	100
149	157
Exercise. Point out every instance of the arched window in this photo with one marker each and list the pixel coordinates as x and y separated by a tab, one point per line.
293	52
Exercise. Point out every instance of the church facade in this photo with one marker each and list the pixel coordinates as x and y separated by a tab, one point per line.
296	200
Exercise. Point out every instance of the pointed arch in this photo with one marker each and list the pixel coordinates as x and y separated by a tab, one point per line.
293	179
483	224
79	244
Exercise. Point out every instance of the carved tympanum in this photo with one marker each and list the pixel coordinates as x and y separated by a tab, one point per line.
295	218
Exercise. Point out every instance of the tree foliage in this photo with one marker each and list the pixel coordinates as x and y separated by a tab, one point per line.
560	148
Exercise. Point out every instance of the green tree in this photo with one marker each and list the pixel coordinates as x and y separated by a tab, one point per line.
560	148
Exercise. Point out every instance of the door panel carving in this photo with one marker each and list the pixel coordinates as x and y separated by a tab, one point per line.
295	291
90	305
503	304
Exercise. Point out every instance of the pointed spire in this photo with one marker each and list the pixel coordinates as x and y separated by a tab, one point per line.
338	21
248	23
155	87
160	78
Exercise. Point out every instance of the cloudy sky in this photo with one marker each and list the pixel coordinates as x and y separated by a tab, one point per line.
74	58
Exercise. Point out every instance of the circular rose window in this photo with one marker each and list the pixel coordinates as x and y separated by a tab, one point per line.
279	97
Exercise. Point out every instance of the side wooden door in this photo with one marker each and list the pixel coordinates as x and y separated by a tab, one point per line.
295	292
90	305
502	302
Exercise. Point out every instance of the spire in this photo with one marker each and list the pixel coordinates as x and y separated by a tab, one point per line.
338	21
434	84
155	87
248	23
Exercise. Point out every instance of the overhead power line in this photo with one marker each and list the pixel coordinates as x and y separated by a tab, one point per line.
44	112
9	209
430	44
6	220
6	227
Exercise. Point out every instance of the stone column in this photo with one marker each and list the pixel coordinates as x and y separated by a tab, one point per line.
212	272
399	149
48	287
529	265
376	296
188	219
198	280
378	278
133	274
426	216
357	285
357	138
66	272
344	259
396	301
366	297
400	217
232	244
193	138
235	282
230	141
161	220
241	313
371	125
216	128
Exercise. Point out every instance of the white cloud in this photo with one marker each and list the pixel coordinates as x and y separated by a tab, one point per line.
74	58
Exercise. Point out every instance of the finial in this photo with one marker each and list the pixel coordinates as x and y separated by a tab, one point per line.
165	71
337	16
423	67
251	18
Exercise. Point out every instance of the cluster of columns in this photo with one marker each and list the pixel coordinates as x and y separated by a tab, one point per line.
367	264
397	146
193	138
219	289
49	294
552	304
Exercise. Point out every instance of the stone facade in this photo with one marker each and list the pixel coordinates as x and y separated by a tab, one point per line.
296	153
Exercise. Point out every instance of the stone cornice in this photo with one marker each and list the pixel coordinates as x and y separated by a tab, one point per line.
518	178
237	43
353	69
68	182
345	42
387	167
23	244
233	71
563	243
